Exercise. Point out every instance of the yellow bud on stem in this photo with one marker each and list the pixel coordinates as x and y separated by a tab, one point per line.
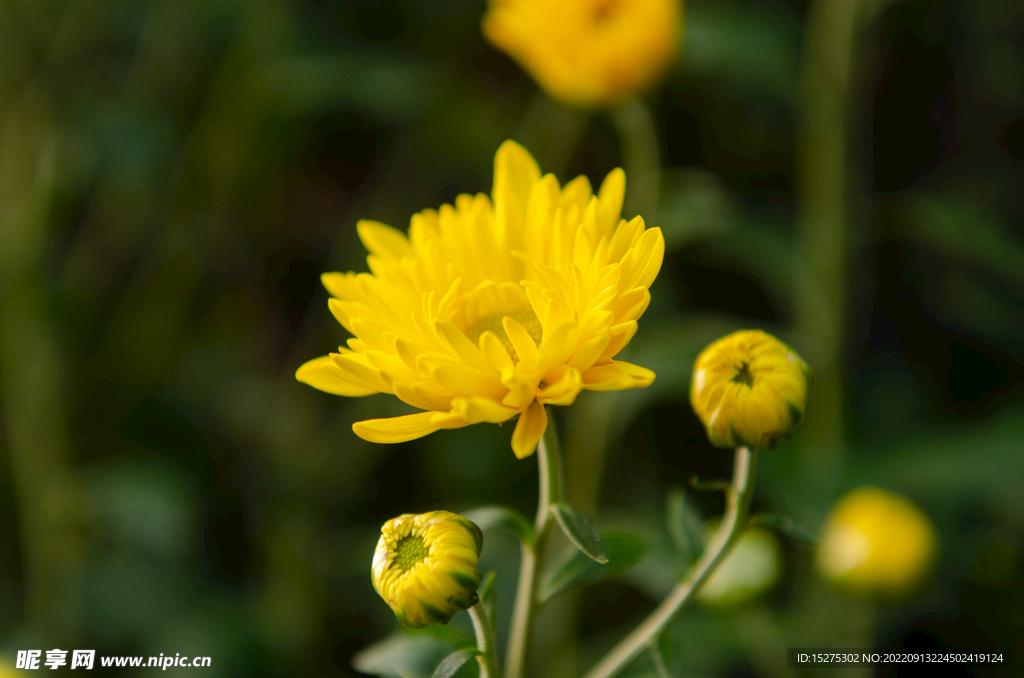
425	566
749	389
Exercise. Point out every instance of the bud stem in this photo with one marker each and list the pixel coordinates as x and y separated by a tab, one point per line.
484	641
734	522
549	463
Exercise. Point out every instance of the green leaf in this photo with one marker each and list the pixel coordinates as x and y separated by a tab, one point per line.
624	550
486	593
503	518
580	530
785	527
685	526
401	655
661	654
454	662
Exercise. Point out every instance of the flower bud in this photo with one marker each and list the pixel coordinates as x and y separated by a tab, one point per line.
752	567
588	52
425	566
877	543
749	389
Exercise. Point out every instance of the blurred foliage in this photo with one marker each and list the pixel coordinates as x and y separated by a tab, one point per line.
175	175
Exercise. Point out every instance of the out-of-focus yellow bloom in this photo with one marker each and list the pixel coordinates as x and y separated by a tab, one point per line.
875	542
425	566
751	568
749	389
493	308
588	52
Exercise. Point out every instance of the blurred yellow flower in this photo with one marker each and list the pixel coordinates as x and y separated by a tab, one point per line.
489	310
749	389
425	566
875	542
752	567
588	52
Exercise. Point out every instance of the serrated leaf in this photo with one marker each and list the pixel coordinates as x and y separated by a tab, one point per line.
402	655
785	527
454	662
684	525
624	550
580	530
503	518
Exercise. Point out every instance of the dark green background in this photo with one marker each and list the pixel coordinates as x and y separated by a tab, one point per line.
175	175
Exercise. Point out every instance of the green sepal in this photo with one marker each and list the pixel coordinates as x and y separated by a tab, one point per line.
454	662
684	525
503	518
580	531
624	550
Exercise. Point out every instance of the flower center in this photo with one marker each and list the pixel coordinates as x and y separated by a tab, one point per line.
744	375
410	550
492	323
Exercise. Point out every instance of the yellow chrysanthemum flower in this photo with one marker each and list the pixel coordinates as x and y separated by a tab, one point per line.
425	566
876	542
749	389
588	51
492	309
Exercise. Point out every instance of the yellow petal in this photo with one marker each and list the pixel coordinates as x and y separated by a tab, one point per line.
314	374
590	350
469	381
405	428
355	367
383	240
529	430
521	340
476	410
341	285
563	389
497	357
609	197
616	376
460	345
515	173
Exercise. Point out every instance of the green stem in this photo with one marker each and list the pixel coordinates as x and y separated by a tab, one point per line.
484	641
823	183
549	465
638	139
733	524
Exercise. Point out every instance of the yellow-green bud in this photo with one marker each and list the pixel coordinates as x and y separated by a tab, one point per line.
877	543
749	389
425	566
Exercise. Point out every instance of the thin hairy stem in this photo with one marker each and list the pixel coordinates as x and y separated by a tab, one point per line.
484	641
549	465
734	522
